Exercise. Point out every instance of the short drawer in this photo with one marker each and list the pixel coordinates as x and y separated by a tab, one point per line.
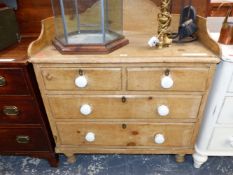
18	110
125	134
22	139
12	81
125	107
226	113
222	139
86	79
173	79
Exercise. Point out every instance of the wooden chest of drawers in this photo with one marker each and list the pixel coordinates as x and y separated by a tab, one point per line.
123	108
133	101
24	127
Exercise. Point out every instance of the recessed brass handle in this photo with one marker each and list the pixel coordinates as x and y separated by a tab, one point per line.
11	110
2	81
22	139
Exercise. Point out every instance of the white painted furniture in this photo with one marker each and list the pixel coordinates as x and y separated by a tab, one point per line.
216	134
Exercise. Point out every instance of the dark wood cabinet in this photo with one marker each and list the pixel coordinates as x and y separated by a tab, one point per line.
218	9
13	81
24	128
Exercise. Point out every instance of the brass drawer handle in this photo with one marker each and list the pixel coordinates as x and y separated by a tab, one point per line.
22	139
2	81
10	110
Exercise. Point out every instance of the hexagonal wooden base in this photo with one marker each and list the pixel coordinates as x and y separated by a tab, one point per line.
90	49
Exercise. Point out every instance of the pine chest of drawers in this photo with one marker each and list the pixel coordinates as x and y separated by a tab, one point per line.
122	104
135	100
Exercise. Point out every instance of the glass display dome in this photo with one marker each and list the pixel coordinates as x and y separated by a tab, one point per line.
88	26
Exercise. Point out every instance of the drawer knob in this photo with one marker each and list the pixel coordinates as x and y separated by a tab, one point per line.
10	110
90	137
22	139
85	109
2	81
167	82
81	81
159	138
163	110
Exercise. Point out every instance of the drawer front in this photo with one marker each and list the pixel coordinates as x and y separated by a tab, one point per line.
18	110
124	107
125	134
86	79
151	79
12	81
230	87
226	114
222	139
22	139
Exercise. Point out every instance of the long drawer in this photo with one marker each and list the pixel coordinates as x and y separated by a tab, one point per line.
155	79
86	79
222	139
226	113
22	139
125	134
125	107
18	110
12	81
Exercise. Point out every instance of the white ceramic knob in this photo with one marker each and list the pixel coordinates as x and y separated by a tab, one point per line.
159	138
153	41
163	110
90	137
167	82
231	141
81	81
85	109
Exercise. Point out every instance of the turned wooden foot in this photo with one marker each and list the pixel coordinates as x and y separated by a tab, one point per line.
180	158
199	159
53	160
70	158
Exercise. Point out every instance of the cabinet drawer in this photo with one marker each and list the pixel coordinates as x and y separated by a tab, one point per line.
18	110
230	86
93	79
150	79
12	81
222	139
22	139
226	114
125	107
125	134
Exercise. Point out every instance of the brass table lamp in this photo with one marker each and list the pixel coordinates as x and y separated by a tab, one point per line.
164	19
164	22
